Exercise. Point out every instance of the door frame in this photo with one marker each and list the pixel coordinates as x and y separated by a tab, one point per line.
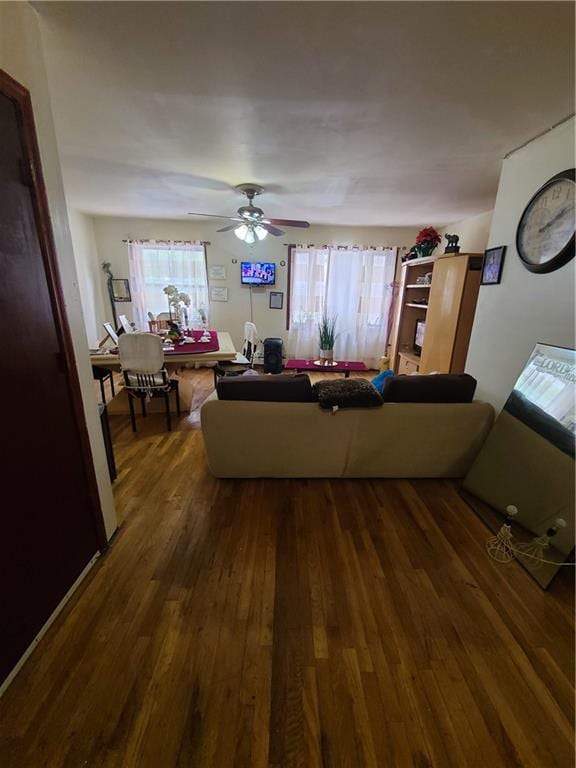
20	96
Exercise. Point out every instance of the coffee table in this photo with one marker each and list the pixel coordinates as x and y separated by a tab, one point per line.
344	366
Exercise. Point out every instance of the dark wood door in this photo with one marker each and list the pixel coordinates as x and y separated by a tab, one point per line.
49	524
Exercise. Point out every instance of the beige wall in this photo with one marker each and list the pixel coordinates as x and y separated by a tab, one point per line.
224	247
21	57
526	307
89	274
474	233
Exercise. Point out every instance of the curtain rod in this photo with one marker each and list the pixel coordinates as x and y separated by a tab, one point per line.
347	247
168	242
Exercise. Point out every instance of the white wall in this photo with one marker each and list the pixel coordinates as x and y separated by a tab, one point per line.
474	233
89	274
224	247
21	57
526	307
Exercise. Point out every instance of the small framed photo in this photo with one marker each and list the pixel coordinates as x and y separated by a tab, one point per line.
492	265
276	300
121	290
217	272
218	294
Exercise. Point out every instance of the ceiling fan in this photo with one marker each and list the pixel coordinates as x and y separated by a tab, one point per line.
250	224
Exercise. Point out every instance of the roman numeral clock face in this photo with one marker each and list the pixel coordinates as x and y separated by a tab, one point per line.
545	236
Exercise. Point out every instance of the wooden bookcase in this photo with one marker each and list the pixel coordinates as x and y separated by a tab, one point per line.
449	313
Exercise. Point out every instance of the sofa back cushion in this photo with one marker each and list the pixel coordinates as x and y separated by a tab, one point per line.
434	388
347	393
267	389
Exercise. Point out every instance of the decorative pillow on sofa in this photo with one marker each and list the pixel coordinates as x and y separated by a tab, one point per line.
434	388
267	389
378	381
347	393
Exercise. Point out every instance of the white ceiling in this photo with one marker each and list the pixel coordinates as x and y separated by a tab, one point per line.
348	113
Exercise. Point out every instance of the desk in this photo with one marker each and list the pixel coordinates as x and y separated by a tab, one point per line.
226	352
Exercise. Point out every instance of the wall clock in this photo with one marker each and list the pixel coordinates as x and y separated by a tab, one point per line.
545	235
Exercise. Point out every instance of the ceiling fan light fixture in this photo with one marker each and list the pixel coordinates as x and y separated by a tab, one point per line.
248	233
252	225
245	232
241	232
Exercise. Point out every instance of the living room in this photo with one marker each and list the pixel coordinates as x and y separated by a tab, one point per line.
292	577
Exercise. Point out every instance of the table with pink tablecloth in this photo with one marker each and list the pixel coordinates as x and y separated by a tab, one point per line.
344	366
195	347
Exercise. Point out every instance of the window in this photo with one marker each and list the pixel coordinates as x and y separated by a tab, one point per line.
356	285
154	265
308	280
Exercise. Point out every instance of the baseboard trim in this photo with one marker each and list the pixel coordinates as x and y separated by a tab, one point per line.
24	658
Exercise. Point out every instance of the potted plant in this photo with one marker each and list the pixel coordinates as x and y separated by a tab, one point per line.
178	303
328	335
426	241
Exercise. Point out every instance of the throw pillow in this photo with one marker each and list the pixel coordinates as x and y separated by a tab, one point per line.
347	393
434	388
378	381
267	389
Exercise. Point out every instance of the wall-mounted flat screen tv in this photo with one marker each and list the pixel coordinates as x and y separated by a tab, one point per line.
258	273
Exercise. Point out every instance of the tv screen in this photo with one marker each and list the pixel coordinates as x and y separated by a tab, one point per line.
419	336
258	273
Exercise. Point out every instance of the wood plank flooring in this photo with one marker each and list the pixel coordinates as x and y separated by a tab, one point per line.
309	623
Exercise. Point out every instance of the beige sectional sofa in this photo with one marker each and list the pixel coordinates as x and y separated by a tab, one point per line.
275	439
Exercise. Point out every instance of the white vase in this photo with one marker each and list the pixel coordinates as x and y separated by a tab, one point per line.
327	355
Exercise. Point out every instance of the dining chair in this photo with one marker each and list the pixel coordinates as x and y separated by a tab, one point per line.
159	322
142	361
243	361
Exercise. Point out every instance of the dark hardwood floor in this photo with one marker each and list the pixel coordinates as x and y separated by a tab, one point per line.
293	623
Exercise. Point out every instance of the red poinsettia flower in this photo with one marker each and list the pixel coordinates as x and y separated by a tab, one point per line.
428	235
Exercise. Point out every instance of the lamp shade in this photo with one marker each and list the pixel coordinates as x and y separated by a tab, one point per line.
249	232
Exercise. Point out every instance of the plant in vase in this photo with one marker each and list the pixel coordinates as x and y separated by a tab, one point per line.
426	241
328	336
178	304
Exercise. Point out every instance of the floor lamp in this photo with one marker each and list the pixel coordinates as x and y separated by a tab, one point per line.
108	271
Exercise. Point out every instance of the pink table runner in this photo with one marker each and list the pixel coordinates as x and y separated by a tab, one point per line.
198	347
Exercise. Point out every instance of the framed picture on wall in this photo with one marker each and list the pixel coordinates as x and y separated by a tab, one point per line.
218	294
492	265
276	300
217	272
121	289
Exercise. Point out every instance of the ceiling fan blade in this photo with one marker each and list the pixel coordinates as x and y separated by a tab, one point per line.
270	228
289	223
214	216
228	228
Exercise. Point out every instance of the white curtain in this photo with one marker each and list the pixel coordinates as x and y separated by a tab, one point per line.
154	265
308	274
356	285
